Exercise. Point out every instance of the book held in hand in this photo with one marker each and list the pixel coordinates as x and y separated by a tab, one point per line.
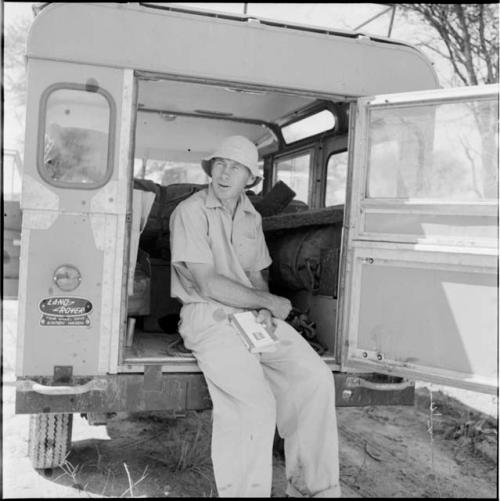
255	336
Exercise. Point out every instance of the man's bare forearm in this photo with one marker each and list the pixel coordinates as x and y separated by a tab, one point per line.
212	285
259	280
227	291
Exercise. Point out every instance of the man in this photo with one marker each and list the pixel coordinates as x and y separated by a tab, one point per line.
218	255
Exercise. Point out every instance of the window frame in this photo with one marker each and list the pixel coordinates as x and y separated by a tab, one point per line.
330	155
311	149
310	114
339	112
42	116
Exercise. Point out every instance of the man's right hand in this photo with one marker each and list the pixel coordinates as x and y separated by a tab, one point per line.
280	307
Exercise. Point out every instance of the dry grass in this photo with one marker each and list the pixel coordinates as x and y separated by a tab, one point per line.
460	425
430	422
184	442
161	456
193	452
73	473
132	484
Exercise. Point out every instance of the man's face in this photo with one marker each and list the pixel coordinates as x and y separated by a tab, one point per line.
229	178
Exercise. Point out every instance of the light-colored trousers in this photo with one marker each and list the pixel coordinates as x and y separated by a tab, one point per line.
251	394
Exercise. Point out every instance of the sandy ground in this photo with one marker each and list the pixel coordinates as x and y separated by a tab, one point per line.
384	451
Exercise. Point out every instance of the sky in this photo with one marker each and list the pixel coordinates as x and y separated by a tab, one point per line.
17	8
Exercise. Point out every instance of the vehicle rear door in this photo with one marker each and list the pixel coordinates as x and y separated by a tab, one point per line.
419	279
75	198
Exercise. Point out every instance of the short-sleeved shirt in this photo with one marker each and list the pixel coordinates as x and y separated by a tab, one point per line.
202	230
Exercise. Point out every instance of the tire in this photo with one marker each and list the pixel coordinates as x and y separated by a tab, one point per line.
49	439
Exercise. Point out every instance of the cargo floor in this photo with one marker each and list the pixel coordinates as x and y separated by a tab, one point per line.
155	345
158	347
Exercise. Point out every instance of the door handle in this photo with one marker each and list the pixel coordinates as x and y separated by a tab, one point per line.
93	385
364	383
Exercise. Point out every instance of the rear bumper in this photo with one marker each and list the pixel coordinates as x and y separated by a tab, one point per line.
178	392
151	390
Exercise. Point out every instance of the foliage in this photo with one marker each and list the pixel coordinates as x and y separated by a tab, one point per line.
15	81
467	38
15	37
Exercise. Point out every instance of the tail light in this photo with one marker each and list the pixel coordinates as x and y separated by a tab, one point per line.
67	277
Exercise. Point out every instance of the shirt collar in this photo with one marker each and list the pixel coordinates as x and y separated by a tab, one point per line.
212	201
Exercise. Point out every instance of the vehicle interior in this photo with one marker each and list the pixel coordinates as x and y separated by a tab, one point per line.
302	142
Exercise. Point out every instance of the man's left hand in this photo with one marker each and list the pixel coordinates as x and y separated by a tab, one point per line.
265	317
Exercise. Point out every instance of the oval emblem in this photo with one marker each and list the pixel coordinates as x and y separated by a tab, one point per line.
65	306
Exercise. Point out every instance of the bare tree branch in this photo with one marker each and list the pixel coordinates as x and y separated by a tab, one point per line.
453	55
432	48
469	65
470	35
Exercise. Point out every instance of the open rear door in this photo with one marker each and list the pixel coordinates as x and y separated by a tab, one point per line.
419	284
75	197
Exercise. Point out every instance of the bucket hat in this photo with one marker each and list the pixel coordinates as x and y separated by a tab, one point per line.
237	148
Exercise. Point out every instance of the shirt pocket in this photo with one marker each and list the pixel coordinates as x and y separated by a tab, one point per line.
246	251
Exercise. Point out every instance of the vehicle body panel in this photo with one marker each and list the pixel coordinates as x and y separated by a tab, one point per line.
268	52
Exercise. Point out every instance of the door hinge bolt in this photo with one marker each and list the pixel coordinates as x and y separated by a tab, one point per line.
347	394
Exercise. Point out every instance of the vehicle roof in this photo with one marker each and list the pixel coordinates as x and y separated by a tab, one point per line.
228	48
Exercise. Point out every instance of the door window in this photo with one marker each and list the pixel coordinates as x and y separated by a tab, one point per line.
434	151
76	130
294	171
336	173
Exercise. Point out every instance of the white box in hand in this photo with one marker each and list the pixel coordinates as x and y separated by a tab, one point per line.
256	336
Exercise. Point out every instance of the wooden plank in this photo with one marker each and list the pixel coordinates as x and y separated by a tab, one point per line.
327	215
